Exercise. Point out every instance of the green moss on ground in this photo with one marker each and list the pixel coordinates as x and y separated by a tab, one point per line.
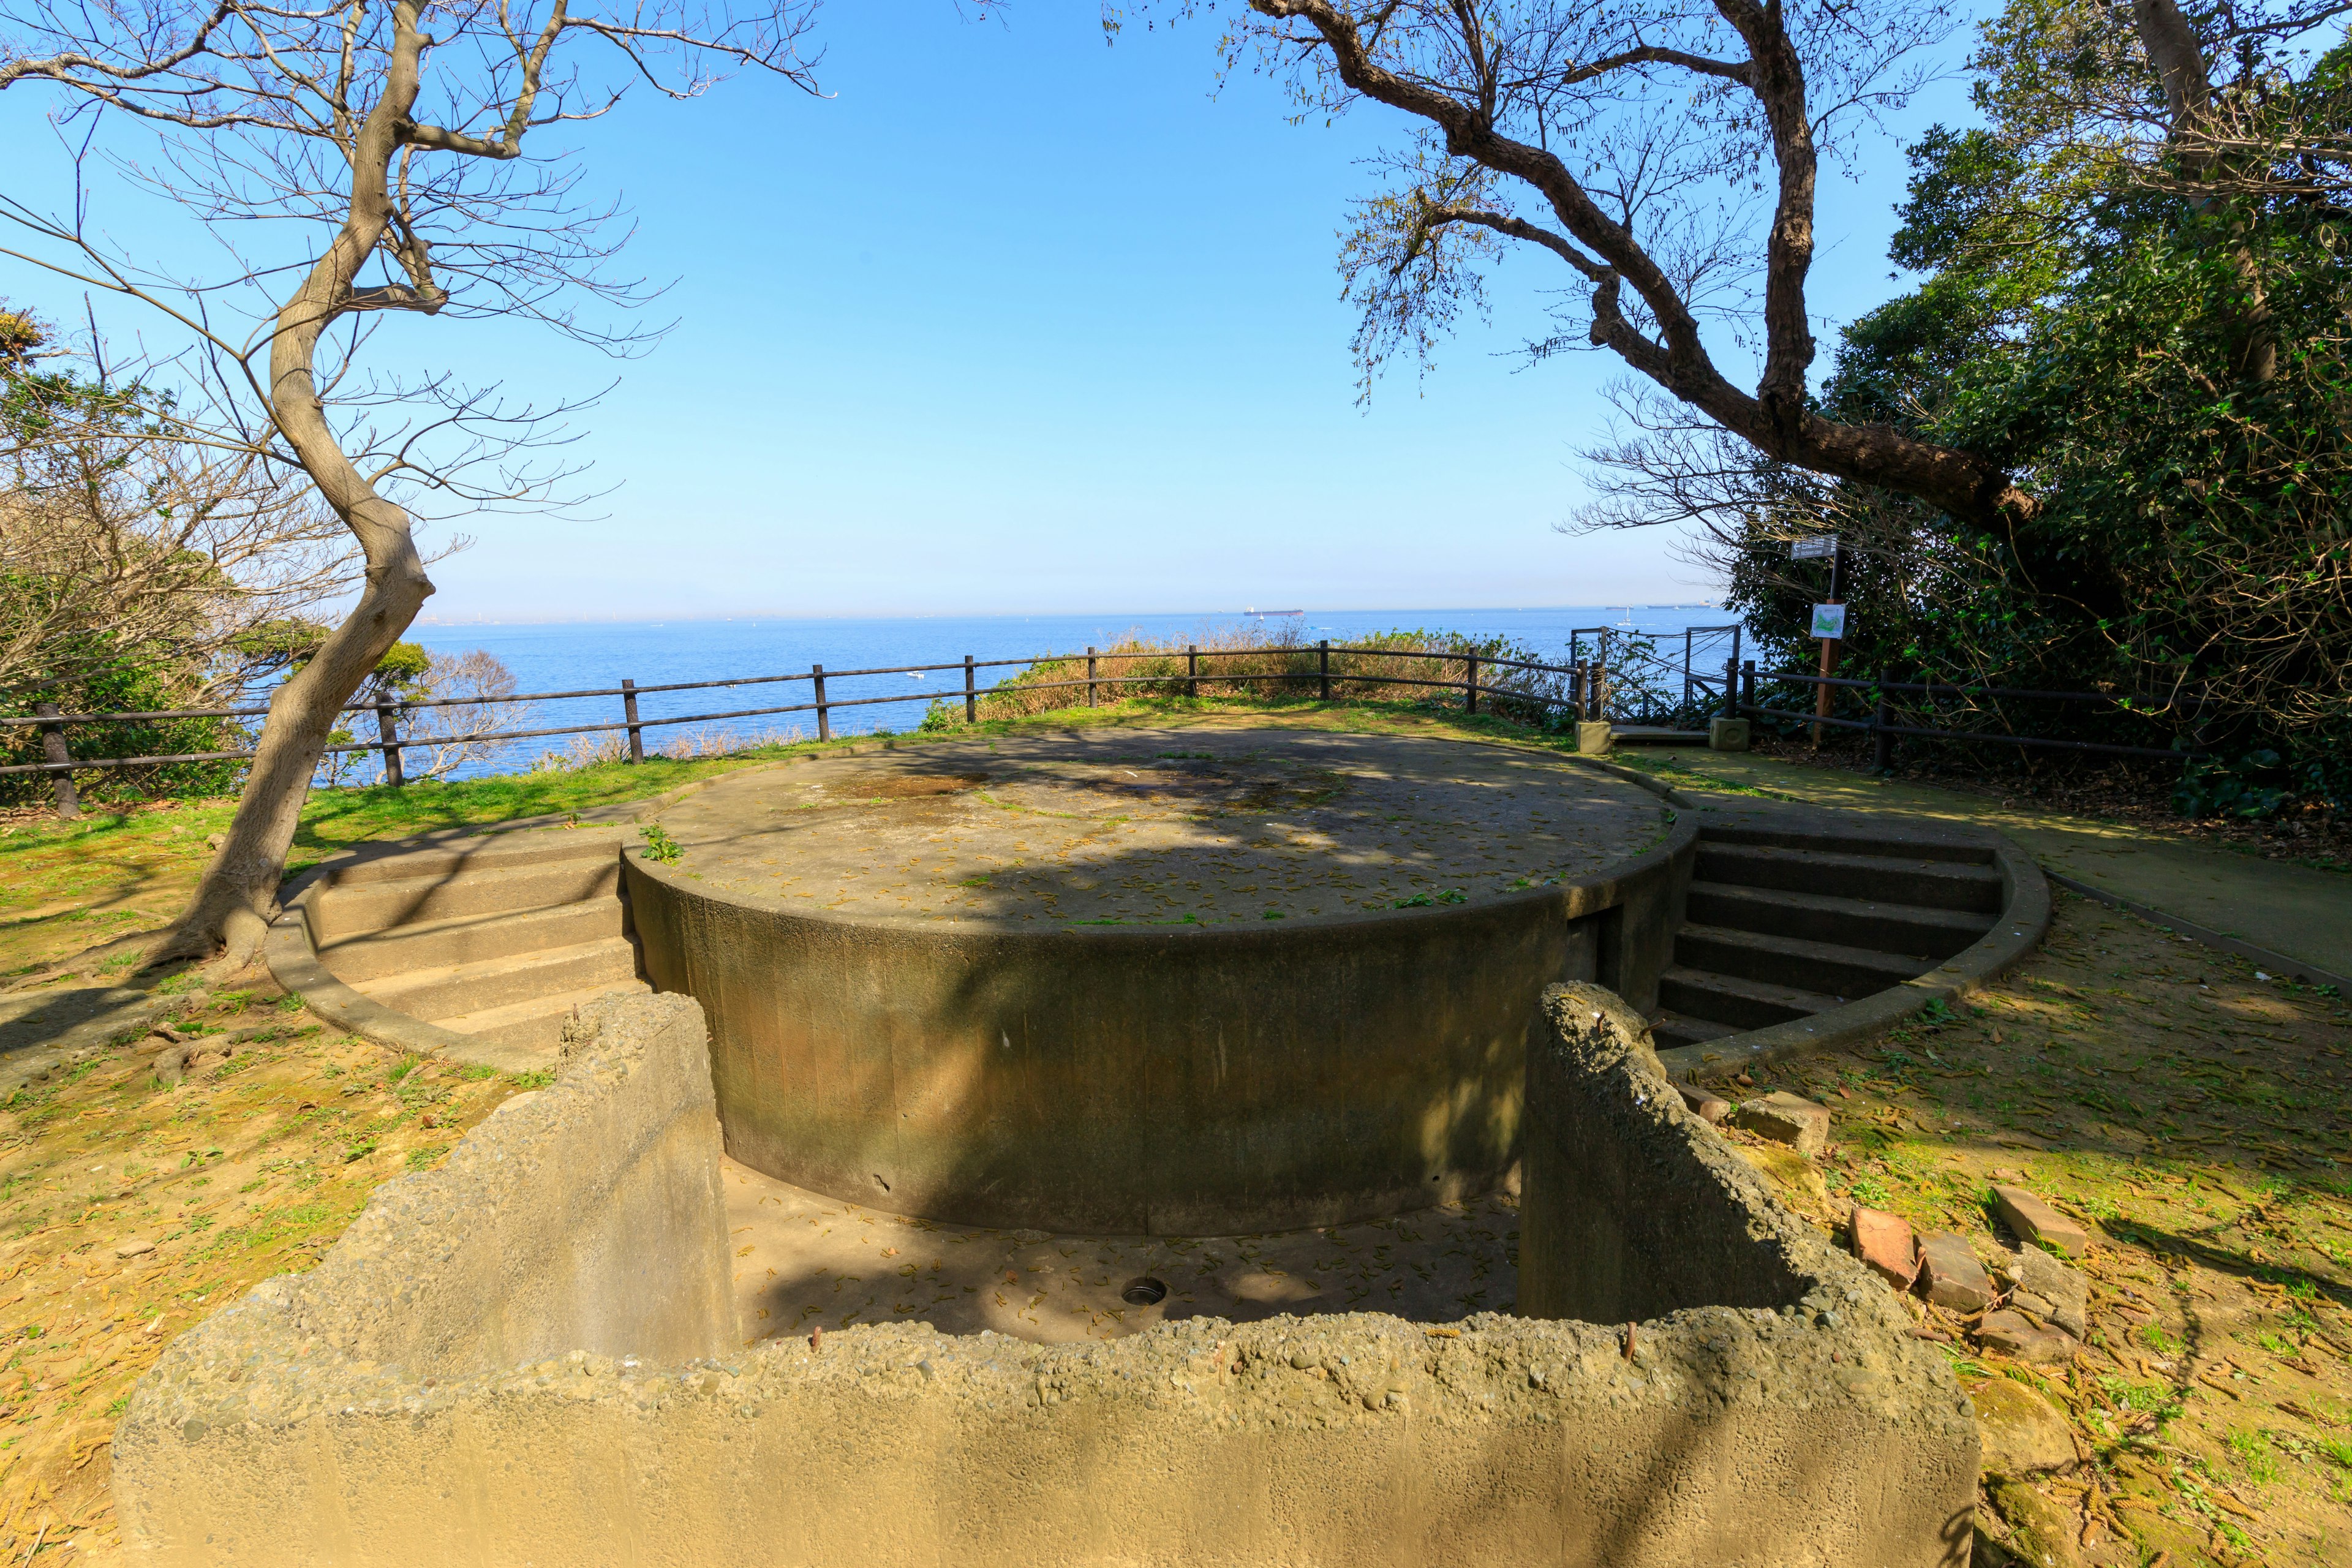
2196	1117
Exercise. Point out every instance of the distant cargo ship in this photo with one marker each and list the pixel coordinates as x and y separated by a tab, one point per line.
1274	612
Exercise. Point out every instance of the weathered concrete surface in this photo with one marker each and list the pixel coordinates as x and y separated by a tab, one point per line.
1798	1431
1169	827
975	1060
1635	1209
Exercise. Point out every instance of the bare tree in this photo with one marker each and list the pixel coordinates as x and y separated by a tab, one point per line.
130	534
455	702
1666	153
405	142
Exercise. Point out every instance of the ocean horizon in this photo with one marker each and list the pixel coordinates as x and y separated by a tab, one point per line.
570	656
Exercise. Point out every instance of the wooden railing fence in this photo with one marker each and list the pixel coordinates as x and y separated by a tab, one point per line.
1586	687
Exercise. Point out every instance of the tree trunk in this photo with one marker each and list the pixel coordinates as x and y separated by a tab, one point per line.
2177	55
238	895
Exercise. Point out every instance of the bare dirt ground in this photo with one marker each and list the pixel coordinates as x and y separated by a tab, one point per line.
805	1261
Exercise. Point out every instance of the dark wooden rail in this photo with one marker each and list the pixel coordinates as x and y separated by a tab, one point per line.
1582	678
1588	685
1884	731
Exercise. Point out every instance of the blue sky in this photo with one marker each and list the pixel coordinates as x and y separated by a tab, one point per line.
1016	322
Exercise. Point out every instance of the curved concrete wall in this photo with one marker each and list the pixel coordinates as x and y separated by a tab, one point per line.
1132	1082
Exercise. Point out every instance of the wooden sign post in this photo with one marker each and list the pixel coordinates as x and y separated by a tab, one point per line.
1829	619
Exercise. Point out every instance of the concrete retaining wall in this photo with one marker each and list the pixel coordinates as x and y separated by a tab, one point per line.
1129	1082
362	1415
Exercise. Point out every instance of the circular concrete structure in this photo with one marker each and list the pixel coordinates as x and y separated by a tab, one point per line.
1124	982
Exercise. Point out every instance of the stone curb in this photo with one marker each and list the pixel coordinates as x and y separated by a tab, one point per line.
2024	918
2277	964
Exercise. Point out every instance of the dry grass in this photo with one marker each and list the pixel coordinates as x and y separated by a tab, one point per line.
251	1167
1273	665
2197	1117
701	744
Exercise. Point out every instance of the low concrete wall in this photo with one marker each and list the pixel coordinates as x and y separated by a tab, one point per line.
1127	1081
362	1415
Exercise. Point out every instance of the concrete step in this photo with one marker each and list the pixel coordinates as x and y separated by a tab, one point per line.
486	852
1892	845
1912	879
343	912
1828	967
535	1024
1824	917
1670	1029
469	939
464	989
1742	1003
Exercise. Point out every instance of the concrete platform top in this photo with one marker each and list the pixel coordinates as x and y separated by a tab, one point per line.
1165	828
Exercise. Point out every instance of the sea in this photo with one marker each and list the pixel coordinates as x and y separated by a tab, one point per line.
572	656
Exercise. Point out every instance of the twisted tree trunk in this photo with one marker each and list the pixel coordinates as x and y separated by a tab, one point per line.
234	901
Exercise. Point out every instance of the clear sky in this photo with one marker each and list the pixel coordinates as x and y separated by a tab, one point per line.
1012	322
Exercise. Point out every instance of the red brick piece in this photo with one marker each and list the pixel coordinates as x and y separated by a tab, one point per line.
1950	1274
1786	1117
2037	1221
1882	1241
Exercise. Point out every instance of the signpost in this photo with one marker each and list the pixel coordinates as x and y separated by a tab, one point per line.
1829	619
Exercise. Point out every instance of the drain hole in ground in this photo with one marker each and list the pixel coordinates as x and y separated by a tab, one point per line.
1143	1291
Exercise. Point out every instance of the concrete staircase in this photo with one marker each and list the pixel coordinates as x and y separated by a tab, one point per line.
1784	924
497	938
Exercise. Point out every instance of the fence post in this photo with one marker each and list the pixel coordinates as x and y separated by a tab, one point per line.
1323	659
1882	744
1193	669
1090	677
53	750
970	697
1470	683
629	711
824	719
1731	688
1576	689
1747	684
387	725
